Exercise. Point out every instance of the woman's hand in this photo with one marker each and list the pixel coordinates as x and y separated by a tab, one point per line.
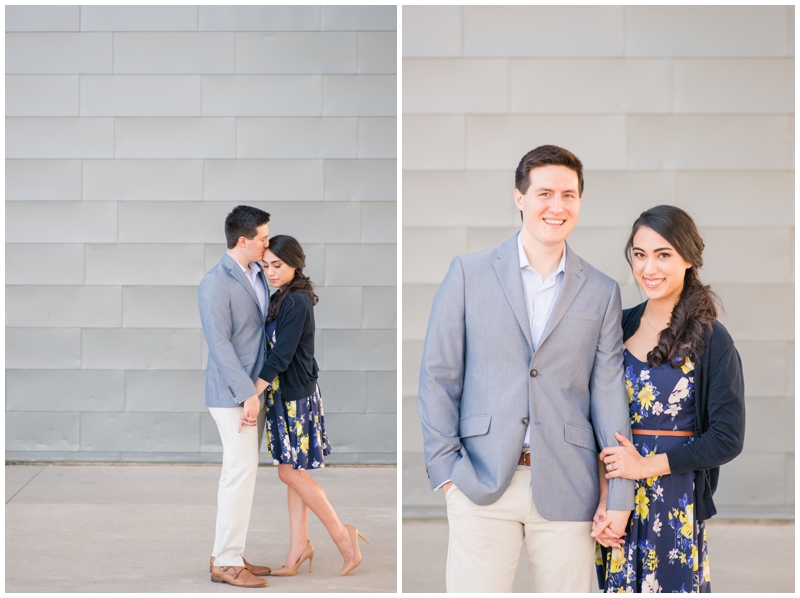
261	386
625	462
608	527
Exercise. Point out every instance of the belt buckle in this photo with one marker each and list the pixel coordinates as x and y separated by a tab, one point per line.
527	458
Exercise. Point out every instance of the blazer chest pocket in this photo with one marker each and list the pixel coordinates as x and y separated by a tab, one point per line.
580	436
584	315
474	426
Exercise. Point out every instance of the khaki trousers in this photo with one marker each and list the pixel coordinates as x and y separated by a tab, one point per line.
237	483
485	544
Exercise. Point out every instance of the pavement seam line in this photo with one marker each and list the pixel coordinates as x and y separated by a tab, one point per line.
25	484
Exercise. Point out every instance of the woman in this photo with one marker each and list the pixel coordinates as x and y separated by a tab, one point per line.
294	419
686	395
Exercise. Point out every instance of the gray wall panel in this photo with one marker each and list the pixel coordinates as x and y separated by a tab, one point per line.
343	392
160	391
259	18
138	18
141	432
42	431
42	18
141	349
690	106
140	95
43	179
122	180
58	53
66	263
63	306
65	390
43	348
173	53
42	95
296	53
131	133
377	52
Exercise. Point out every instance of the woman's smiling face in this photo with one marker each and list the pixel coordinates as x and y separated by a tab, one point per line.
657	267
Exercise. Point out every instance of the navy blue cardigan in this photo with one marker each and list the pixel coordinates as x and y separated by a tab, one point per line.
719	418
292	356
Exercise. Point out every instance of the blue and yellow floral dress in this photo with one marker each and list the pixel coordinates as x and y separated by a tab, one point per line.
295	429
665	548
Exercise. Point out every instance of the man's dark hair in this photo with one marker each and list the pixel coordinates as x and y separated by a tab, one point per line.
546	155
243	222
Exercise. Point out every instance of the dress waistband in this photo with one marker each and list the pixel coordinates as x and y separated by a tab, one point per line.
663	432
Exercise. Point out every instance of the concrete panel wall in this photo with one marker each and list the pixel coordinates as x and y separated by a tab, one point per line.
685	105
131	132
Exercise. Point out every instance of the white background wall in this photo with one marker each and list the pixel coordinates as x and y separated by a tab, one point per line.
131	132
692	106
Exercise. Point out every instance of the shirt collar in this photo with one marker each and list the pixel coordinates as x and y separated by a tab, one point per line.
254	267
523	259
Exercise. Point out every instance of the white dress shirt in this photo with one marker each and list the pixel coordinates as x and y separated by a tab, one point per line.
540	297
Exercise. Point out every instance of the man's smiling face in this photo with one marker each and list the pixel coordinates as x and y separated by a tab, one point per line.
551	204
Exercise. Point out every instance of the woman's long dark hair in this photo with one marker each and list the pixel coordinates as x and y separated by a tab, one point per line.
698	305
289	251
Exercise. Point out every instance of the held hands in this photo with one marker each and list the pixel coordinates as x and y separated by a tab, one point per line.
608	527
250	412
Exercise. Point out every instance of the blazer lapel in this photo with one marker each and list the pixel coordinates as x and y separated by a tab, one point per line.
233	267
573	282
263	281
507	268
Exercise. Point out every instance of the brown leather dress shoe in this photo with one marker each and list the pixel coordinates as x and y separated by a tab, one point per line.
236	576
254	569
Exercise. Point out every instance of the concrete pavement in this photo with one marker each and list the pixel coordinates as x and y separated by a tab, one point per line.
744	557
150	528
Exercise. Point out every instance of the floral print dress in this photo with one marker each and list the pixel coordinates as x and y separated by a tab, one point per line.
665	548
295	429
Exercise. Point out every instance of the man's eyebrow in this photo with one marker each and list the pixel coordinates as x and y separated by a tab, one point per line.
551	191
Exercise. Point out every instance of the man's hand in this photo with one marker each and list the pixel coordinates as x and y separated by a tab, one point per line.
446	486
250	412
608	527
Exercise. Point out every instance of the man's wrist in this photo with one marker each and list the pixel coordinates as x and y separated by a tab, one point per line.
442	485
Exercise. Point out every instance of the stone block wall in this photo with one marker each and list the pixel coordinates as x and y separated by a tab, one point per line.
131	132
686	105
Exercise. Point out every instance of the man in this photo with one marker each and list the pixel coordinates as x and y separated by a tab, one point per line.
233	301
521	371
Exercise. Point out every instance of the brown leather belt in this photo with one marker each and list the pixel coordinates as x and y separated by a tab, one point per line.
525	459
663	432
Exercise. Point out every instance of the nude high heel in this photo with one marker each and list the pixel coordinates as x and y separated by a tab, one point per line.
308	553
354	536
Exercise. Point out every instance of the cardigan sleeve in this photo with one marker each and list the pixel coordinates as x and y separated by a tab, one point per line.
724	438
292	319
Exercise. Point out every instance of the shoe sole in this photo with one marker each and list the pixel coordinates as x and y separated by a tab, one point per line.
234	585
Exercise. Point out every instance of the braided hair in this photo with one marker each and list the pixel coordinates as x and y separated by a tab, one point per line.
698	305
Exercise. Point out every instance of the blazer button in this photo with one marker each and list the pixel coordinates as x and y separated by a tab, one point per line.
534	373
525	420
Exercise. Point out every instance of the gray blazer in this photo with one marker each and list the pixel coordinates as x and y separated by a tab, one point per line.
233	325
481	382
